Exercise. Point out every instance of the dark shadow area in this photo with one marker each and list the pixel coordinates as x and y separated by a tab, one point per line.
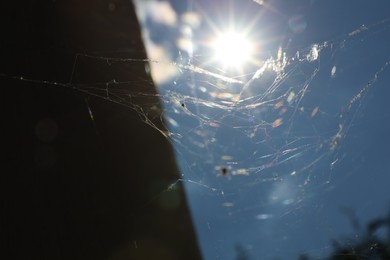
83	176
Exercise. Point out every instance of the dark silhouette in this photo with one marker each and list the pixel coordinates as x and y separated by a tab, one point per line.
369	247
241	253
84	176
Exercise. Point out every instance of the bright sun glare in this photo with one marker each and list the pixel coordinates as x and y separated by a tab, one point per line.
232	49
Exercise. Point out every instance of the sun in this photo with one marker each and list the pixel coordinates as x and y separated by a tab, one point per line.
232	49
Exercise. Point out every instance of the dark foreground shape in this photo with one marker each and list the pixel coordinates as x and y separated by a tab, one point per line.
83	177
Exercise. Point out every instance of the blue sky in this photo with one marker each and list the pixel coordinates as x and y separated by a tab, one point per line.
273	161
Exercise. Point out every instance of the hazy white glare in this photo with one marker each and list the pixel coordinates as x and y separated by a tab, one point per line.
232	49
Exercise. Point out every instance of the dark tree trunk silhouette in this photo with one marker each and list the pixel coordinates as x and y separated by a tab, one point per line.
84	177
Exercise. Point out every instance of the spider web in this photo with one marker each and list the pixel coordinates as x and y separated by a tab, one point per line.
257	146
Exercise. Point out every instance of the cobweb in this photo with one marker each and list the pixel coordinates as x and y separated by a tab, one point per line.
261	145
